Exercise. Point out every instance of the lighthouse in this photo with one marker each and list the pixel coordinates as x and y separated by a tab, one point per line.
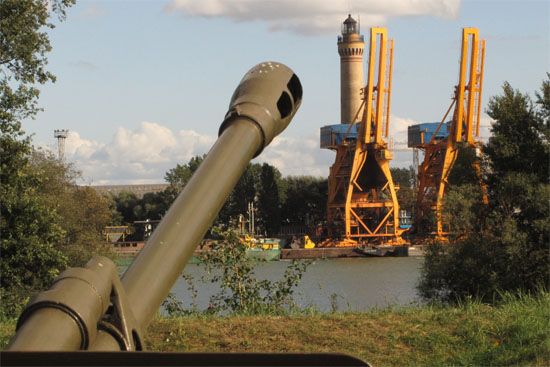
350	48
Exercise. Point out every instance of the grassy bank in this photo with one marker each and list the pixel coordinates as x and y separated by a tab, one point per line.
515	332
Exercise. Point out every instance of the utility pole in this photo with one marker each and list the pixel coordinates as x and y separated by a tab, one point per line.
251	218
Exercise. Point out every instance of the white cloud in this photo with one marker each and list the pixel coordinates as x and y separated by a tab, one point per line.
298	156
93	10
144	154
141	155
303	156
151	143
80	148
402	155
398	132
312	16
485	127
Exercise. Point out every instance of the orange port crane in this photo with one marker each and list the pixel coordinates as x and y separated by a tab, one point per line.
362	201
440	154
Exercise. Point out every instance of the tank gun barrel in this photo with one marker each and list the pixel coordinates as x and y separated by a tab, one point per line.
261	107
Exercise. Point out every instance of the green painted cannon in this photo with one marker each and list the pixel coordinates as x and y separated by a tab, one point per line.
91	308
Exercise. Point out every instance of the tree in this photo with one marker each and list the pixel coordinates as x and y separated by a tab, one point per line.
404	177
240	291
23	48
519	152
178	176
126	204
269	206
153	205
28	227
543	101
504	245
463	205
305	200
463	172
520	135
82	212
29	231
244	192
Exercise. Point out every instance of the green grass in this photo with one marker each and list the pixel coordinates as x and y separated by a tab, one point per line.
515	332
7	329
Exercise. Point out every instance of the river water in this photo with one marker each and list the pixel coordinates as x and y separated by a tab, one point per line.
354	284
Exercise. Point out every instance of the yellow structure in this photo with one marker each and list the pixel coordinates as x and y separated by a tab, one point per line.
260	243
115	233
350	48
362	202
308	243
440	155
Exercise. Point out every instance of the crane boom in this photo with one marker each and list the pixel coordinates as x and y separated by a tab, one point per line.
362	202
440	155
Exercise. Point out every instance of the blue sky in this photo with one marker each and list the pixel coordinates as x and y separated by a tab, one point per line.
143	85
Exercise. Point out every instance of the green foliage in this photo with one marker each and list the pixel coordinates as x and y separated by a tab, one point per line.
463	205
178	176
29	228
29	231
83	213
467	269
23	48
153	205
289	201
513	332
47	223
305	200
543	102
241	292
125	204
462	172
504	246
520	135
405	178
269	206
174	306
244	192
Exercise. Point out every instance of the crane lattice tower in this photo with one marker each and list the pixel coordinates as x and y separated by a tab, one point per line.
362	205
441	154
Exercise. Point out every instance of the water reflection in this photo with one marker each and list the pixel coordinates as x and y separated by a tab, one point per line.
348	284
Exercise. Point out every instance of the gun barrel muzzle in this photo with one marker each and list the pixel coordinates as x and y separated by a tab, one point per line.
262	106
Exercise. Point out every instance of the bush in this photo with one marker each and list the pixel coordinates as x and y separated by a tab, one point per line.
241	292
47	224
504	246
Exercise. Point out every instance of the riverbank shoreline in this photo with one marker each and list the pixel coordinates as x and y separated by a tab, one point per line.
514	332
319	253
